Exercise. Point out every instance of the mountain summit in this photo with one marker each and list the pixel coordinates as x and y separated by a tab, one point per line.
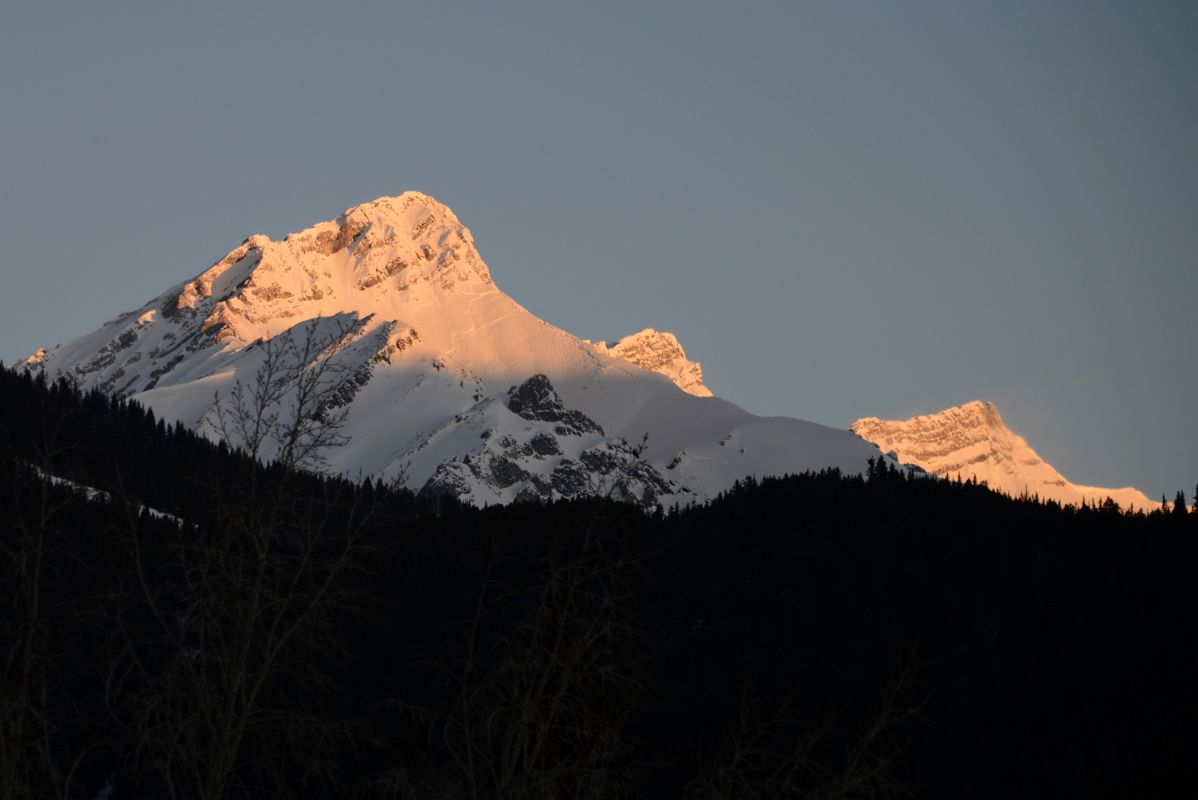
445	383
395	252
972	441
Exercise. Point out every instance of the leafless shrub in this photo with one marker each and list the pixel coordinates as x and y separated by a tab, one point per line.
290	403
782	756
225	637
28	756
35	758
540	709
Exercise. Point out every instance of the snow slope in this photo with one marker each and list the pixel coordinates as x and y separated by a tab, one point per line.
448	383
92	493
972	441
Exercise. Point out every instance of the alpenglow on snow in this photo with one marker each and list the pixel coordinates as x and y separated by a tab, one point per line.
971	441
445	383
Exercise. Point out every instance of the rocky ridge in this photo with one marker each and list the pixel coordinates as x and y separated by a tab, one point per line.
972	441
660	352
552	453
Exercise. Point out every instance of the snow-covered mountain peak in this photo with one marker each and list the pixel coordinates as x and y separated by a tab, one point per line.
980	412
414	214
934	436
392	304
975	420
411	233
661	352
384	258
971	440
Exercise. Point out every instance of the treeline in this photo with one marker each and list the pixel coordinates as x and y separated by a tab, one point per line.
205	626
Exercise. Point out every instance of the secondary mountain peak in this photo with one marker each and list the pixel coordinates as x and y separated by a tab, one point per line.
661	352
976	420
971	441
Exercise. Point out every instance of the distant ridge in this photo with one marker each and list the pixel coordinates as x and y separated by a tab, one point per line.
972	441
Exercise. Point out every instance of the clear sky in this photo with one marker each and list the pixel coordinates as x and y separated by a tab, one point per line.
842	209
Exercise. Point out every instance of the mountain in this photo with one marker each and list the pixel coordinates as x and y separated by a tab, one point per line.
388	320
972	441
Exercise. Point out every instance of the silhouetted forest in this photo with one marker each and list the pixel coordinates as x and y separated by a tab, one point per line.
180	621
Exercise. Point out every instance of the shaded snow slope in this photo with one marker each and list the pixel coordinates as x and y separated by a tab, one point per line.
431	356
972	441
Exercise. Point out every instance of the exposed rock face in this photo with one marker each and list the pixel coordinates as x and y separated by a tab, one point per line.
545	445
973	442
661	352
537	449
536	400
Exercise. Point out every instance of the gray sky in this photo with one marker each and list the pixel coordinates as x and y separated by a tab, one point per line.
842	209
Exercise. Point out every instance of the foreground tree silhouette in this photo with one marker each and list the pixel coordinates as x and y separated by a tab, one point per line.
779	754
540	706
292	410
45	734
225	645
34	757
